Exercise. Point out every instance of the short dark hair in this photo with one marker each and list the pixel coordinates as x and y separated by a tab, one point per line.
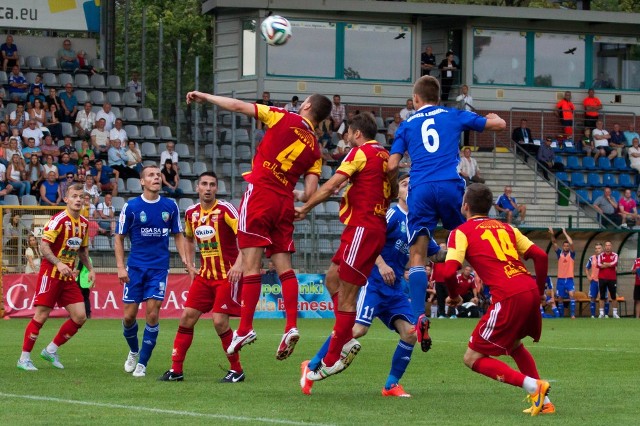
365	123
479	198
427	88
209	174
320	107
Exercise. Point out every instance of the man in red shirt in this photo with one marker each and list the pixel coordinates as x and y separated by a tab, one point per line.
564	110
363	210
493	249
288	150
608	278
591	107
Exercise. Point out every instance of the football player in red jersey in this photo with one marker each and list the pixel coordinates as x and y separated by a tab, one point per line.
493	249
288	150
64	238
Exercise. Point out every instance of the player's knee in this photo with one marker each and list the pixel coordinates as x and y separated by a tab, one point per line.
220	323
469	360
409	335
152	318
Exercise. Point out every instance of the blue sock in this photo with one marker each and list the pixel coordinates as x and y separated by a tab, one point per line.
149	338
399	363
592	308
417	289
131	334
315	361
606	308
572	307
541	310
560	309
556	312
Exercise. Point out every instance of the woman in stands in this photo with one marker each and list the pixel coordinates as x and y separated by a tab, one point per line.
38	113
53	123
32	254
86	150
34	174
14	148
49	167
134	157
16	176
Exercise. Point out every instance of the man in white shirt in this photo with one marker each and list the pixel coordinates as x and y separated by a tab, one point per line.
32	131
100	140
343	126
601	140
105	213
468	167
465	102
135	86
108	115
408	110
85	120
170	154
293	106
118	133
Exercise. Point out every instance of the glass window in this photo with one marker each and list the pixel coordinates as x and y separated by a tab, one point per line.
377	52
310	52
248	48
616	63
559	60
499	57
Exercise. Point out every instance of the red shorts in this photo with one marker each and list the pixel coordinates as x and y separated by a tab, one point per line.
266	220
219	295
52	291
506	322
359	248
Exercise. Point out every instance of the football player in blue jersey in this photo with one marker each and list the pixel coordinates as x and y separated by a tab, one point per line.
431	136
148	220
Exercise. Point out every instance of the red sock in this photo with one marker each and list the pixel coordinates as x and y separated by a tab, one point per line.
31	335
498	370
181	345
66	332
251	291
526	363
341	334
234	360
290	297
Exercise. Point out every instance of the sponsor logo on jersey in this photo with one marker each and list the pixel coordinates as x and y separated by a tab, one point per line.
74	243
165	216
143	217
205	232
153	232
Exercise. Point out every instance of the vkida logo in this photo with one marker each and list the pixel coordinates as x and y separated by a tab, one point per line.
205	232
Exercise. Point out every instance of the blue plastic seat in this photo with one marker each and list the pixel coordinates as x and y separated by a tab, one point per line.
616	195
609	180
604	163
562	177
619	163
559	159
626	181
595	194
573	163
593	180
582	196
577	180
588	163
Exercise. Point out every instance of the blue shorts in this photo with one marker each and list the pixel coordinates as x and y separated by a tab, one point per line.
594	289
564	286
430	202
376	301
144	284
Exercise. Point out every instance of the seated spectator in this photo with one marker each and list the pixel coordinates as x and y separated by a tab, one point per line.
91	188
53	124
468	167
14	148
343	127
634	154
118	161
607	207
630	134
37	94
118	133
88	211
34	132
9	53
38	83
169	154
392	127
601	141
3	107
105	177
68	180
18	86
4	134
50	191
65	166
67	57
628	210
546	158
69	104
508	208
342	149
68	148
83	62
84	169
5	188
617	141
408	110
85	120
325	135
100	139
293	106
49	148
134	157
18	119
588	146
170	180
32	255
524	138
35	176
86	151
108	115
49	166
17	176
31	149
135	86
105	214
54	99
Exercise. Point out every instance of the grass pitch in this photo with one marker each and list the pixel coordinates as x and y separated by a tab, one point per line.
592	365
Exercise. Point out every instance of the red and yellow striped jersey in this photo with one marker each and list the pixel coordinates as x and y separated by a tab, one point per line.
65	236
214	231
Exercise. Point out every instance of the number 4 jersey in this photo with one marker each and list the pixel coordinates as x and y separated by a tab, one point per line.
493	250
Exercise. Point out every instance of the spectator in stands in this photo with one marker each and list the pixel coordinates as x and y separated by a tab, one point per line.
67	57
67	180
36	94
91	188
68	148
9	53
100	139
14	148
427	61
106	178
38	83
170	180
108	115
465	103
324	133
18	119
564	110
49	166
592	106
524	138
18	86
634	154
17	176
408	110
587	144
84	168
88	210
105	213
169	154
630	134
31	149
3	107
69	104
4	134
32	255
628	210
135	86
5	188
134	157
546	158
343	127
49	148
118	133
65	166
293	106
37	112
50	191
607	206
83	62
392	127
338	112
508	208
34	174
468	168
86	151
265	100
85	121
118	161
617	141
33	131
448	68
54	99
601	141
53	123
342	149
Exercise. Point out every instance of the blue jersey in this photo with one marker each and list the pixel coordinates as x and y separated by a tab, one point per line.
432	138
149	225
395	251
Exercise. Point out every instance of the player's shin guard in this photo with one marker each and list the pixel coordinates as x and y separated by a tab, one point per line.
498	370
556	312
525	362
317	358
131	335
149	338
290	297
181	345
399	363
234	359
342	333
572	307
592	308
417	289
31	335
251	289
66	332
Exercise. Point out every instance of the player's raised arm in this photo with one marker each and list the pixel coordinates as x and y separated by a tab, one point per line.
393	163
323	193
229	104
310	187
494	123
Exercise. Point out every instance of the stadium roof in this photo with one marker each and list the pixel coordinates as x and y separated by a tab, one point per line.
427	9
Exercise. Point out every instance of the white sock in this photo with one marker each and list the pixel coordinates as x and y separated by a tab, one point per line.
530	384
25	356
52	348
601	311
615	311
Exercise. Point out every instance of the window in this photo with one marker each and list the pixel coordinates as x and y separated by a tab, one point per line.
616	63
559	60
248	48
310	52
499	57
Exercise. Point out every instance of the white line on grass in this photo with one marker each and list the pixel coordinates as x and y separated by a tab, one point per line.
160	411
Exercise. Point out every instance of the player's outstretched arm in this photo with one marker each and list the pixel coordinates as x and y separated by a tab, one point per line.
393	163
310	187
229	104
324	192
118	245
494	123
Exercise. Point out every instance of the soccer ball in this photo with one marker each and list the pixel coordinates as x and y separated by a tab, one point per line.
276	30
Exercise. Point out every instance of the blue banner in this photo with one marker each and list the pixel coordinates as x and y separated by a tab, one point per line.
314	300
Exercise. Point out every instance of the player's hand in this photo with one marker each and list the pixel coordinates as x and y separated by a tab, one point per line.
457	301
92	278
551	231
195	97
123	275
235	274
299	214
492	115
64	270
387	274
